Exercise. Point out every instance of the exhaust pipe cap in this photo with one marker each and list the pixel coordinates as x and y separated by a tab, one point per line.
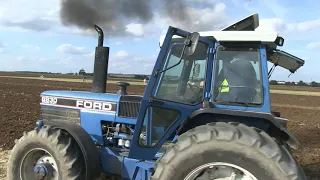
123	88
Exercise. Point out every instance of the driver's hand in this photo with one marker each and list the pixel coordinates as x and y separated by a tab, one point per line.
190	82
201	83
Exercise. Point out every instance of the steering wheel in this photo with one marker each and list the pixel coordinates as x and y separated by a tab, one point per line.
182	98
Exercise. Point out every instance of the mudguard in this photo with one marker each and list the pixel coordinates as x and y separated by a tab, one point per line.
291	140
89	150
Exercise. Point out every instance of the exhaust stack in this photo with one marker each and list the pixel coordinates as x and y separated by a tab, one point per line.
99	83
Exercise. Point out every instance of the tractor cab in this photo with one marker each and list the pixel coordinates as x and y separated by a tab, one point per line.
226	71
240	71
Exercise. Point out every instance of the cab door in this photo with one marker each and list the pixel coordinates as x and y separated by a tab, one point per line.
169	98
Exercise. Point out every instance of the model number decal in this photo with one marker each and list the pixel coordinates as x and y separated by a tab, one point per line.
49	100
94	105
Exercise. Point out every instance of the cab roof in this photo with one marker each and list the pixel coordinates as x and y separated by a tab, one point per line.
268	38
244	31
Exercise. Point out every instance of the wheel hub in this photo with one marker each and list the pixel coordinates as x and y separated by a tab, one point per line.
40	172
220	171
39	165
43	171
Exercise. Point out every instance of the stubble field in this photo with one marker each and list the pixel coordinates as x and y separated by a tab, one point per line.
19	110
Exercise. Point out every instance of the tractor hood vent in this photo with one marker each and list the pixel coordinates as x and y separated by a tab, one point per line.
129	106
53	113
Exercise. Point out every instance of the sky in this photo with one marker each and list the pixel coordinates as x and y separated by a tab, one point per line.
33	36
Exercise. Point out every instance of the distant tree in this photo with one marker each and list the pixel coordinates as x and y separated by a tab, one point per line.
139	76
301	83
82	72
288	83
315	84
273	82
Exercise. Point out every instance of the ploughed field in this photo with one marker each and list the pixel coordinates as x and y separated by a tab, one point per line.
19	110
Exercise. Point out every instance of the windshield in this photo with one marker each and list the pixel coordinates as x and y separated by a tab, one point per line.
238	76
182	83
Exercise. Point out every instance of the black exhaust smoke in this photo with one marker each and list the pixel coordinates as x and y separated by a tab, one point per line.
114	15
100	73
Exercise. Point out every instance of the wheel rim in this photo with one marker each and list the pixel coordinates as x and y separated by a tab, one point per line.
39	164
220	171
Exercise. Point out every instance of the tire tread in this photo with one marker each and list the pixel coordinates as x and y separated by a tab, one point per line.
230	132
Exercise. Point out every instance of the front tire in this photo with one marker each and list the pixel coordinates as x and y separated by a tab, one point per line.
204	150
46	153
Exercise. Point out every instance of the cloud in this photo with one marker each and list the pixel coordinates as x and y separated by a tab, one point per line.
29	15
275	7
36	24
313	45
135	29
90	55
2	44
70	49
208	18
122	54
118	43
306	25
253	6
136	64
304	30
20	58
272	24
2	47
31	47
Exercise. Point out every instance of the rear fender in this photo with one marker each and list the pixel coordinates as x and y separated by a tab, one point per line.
275	127
89	149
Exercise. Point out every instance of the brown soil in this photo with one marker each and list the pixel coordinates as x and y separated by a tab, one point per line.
19	109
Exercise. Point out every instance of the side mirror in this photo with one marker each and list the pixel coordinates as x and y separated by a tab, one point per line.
191	43
196	70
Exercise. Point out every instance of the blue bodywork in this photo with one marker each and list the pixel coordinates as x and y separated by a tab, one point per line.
112	161
138	161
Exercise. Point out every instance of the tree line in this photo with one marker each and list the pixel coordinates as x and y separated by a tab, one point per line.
300	83
82	72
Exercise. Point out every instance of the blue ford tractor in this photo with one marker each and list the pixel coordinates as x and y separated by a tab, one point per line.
205	114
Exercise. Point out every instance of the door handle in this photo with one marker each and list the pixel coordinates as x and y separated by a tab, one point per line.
156	102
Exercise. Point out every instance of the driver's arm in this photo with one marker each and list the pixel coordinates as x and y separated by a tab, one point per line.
201	84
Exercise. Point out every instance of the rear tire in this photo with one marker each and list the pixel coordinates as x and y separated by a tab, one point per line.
58	146
230	143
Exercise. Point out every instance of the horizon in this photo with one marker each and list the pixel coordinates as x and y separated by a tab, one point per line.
77	74
40	40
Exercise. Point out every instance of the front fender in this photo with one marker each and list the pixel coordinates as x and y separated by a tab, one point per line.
89	150
290	139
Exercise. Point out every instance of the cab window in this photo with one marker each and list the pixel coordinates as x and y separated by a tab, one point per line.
238	76
174	84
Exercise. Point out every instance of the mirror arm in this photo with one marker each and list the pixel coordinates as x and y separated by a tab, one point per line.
157	72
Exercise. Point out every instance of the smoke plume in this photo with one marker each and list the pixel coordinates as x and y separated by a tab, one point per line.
114	15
